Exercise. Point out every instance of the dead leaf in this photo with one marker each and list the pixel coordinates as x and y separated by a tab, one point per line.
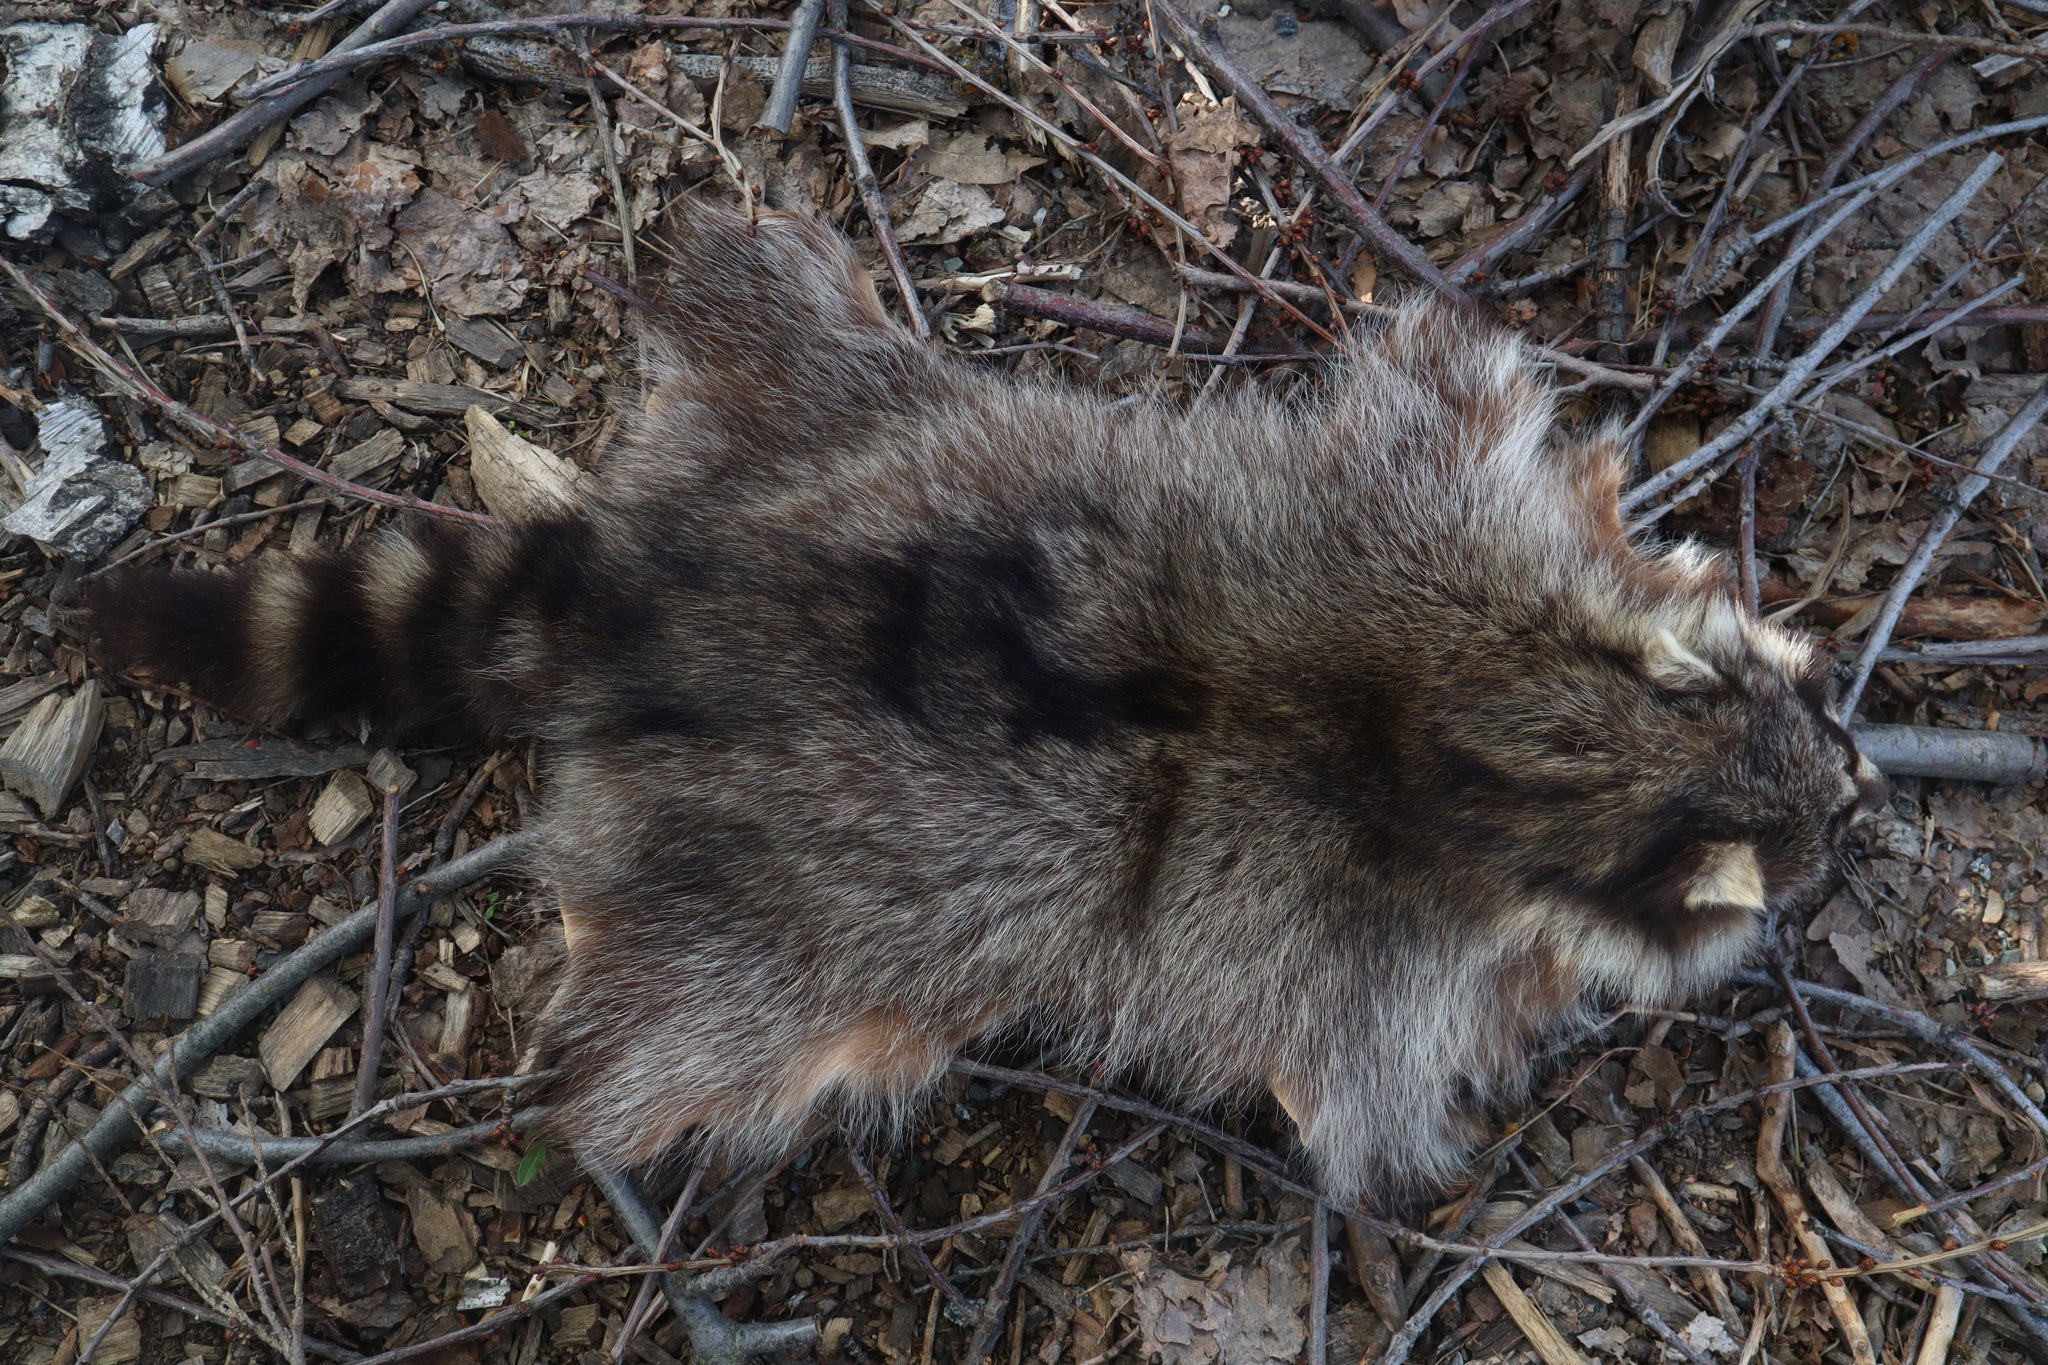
1237	1316
907	136
325	216
1203	154
467	260
204	69
1854	952
948	212
970	160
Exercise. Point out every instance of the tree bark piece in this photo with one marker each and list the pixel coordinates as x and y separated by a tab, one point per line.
1770	1169
47	753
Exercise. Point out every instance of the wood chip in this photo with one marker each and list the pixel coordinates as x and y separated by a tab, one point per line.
444	1231
342	807
514	477
211	849
46	755
163	985
196	1262
455	1022
1537	1330
16	698
158	917
360	461
193	490
352	1232
236	954
303	1027
216	905
2014	981
244	760
230	1078
220	983
435	400
123	1342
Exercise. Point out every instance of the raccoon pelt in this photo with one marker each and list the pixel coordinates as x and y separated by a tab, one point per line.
1346	748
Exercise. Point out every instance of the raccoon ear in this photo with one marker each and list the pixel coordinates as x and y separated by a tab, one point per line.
1671	665
1729	877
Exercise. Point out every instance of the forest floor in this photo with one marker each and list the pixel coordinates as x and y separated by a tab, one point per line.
389	296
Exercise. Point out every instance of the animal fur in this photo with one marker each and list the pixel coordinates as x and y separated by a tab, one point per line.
1345	748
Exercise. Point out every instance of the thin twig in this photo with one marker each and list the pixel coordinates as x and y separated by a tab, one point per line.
1116	177
1304	148
545	24
940	1282
1795	376
240	128
1882	108
489	1326
863	173
57	1265
1404	1338
380	974
118	1123
1915	567
1904	37
643	1298
1770	1169
988	1329
219	433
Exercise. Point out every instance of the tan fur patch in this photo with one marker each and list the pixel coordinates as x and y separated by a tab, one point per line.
1729	875
396	573
1291	1099
881	1052
277	604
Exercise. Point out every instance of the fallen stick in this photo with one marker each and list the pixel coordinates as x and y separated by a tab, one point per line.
232	1145
1770	1169
789	75
540	26
1729	441
2020	649
714	1338
119	1121
240	128
1306	149
1999	757
1915	567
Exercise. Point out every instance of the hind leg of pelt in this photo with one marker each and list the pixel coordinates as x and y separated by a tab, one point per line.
651	1064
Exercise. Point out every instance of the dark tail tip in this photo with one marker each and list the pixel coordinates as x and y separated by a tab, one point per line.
177	629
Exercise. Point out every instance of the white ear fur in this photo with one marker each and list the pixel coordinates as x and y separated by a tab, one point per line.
1672	665
1729	875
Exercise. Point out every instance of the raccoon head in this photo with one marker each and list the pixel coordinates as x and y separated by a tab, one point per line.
1720	780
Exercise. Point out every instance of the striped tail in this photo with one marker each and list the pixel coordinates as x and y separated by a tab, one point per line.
392	633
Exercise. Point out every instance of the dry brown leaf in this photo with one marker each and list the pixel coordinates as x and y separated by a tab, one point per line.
970	160
1203	154
469	262
1237	1316
324	216
948	212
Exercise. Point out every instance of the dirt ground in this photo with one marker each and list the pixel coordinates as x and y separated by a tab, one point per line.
411	289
